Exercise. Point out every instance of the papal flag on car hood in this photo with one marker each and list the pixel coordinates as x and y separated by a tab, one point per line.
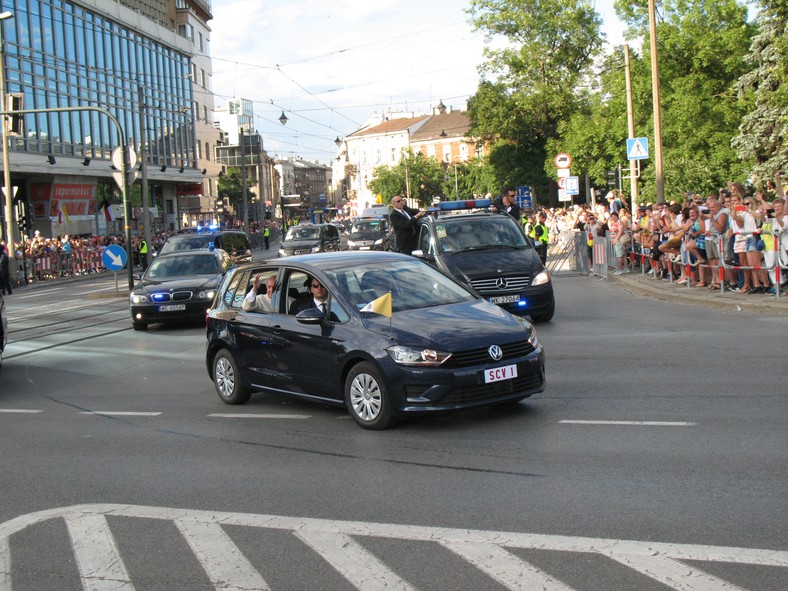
381	305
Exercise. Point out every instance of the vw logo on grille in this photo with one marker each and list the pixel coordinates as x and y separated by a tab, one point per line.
501	283
495	352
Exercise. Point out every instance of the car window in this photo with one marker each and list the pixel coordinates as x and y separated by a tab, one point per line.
303	233
234	294
413	284
425	242
265	274
183	243
296	288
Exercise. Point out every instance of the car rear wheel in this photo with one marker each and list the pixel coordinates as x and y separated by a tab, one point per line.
228	380
366	397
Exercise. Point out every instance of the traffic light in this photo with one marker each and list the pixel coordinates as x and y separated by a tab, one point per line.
612	178
15	122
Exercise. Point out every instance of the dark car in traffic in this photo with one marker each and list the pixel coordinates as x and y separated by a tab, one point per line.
234	242
398	338
178	286
490	253
306	238
369	234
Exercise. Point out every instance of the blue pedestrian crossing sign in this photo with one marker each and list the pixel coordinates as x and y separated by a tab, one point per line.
637	148
572	185
114	257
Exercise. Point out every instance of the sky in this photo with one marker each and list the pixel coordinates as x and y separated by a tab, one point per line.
329	65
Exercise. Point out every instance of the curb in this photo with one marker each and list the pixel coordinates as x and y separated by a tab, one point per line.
637	284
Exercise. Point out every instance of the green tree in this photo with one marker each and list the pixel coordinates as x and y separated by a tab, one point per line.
701	45
231	185
531	80
424	176
761	137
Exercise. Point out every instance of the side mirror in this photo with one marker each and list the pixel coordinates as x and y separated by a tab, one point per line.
419	254
310	316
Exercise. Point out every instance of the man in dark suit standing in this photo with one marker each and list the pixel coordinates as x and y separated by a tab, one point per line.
507	203
404	220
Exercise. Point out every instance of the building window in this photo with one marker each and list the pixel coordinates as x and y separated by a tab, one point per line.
200	41
205	118
202	78
463	152
207	150
186	31
446	153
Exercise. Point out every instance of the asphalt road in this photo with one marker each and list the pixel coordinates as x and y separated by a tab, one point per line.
655	459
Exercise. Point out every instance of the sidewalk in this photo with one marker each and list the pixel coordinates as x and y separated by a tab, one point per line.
645	285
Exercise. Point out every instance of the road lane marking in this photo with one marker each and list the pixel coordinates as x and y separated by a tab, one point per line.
223	562
257	416
98	559
509	570
636	423
28	411
120	413
335	541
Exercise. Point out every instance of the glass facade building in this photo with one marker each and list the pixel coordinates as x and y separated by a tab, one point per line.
60	54
130	59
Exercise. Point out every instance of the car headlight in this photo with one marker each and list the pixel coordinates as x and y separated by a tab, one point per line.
420	357
351	243
529	328
316	248
378	241
138	298
206	295
542	278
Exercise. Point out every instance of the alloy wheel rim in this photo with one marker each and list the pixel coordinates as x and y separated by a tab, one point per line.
366	397
225	377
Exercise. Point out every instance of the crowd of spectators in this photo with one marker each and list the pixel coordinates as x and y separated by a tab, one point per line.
731	238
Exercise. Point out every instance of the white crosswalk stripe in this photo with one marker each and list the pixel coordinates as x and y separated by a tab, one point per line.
340	544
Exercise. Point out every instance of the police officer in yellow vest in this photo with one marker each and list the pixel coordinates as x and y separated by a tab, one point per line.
266	236
143	254
540	236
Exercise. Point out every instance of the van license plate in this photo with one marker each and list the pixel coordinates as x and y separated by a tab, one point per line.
510	299
499	374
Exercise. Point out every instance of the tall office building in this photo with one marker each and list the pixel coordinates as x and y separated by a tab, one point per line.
145	62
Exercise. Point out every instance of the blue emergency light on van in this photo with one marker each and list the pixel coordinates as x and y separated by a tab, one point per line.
467	204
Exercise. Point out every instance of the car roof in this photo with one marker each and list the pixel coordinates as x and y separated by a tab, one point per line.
329	260
197	251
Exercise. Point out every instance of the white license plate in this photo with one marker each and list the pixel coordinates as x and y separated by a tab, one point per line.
172	308
510	299
363	247
499	374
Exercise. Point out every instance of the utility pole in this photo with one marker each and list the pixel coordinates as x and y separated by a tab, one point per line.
244	196
9	191
633	164
655	99
144	169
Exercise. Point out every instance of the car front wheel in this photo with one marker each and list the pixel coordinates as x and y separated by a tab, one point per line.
366	397
227	379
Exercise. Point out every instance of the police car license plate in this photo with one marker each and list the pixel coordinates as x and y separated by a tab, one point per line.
499	374
510	299
363	247
172	308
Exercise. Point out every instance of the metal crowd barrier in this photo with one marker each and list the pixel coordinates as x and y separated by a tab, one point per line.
55	265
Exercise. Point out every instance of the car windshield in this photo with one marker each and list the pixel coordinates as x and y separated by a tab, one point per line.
493	232
303	233
367	227
413	284
183	265
183	243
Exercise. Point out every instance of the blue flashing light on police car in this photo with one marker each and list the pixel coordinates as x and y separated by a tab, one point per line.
464	204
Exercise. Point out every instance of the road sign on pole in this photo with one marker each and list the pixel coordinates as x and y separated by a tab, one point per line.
114	257
572	185
563	160
637	148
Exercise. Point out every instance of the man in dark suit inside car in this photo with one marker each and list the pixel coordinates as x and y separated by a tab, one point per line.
318	299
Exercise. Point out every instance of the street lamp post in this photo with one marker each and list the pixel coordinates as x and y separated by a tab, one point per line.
9	194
